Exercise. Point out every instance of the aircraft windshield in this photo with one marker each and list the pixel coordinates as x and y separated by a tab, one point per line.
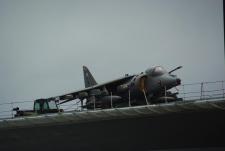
158	71
52	105
37	106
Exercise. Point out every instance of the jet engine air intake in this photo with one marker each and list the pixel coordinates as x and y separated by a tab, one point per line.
140	83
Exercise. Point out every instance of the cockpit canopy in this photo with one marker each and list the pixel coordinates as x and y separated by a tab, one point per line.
156	71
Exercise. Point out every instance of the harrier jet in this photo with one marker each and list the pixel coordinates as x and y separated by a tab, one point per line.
147	87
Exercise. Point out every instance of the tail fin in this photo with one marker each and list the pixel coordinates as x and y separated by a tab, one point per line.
88	78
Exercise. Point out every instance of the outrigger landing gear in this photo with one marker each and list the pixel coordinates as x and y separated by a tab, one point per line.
166	97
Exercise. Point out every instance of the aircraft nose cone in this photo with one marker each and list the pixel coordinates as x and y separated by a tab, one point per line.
178	81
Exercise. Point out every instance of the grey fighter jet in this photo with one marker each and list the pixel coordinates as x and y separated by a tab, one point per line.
147	87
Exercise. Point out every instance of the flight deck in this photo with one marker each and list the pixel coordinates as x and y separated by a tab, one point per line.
116	113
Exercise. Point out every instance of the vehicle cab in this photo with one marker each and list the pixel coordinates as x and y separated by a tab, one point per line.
42	106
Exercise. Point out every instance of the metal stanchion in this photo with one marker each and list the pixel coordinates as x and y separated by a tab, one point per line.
82	104
145	97
111	100
201	91
223	89
12	109
183	93
129	97
165	95
94	102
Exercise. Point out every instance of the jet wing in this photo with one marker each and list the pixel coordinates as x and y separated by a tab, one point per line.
111	85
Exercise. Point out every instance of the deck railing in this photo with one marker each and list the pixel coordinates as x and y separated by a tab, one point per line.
188	92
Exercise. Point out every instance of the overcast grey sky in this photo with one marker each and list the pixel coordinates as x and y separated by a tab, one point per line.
43	44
